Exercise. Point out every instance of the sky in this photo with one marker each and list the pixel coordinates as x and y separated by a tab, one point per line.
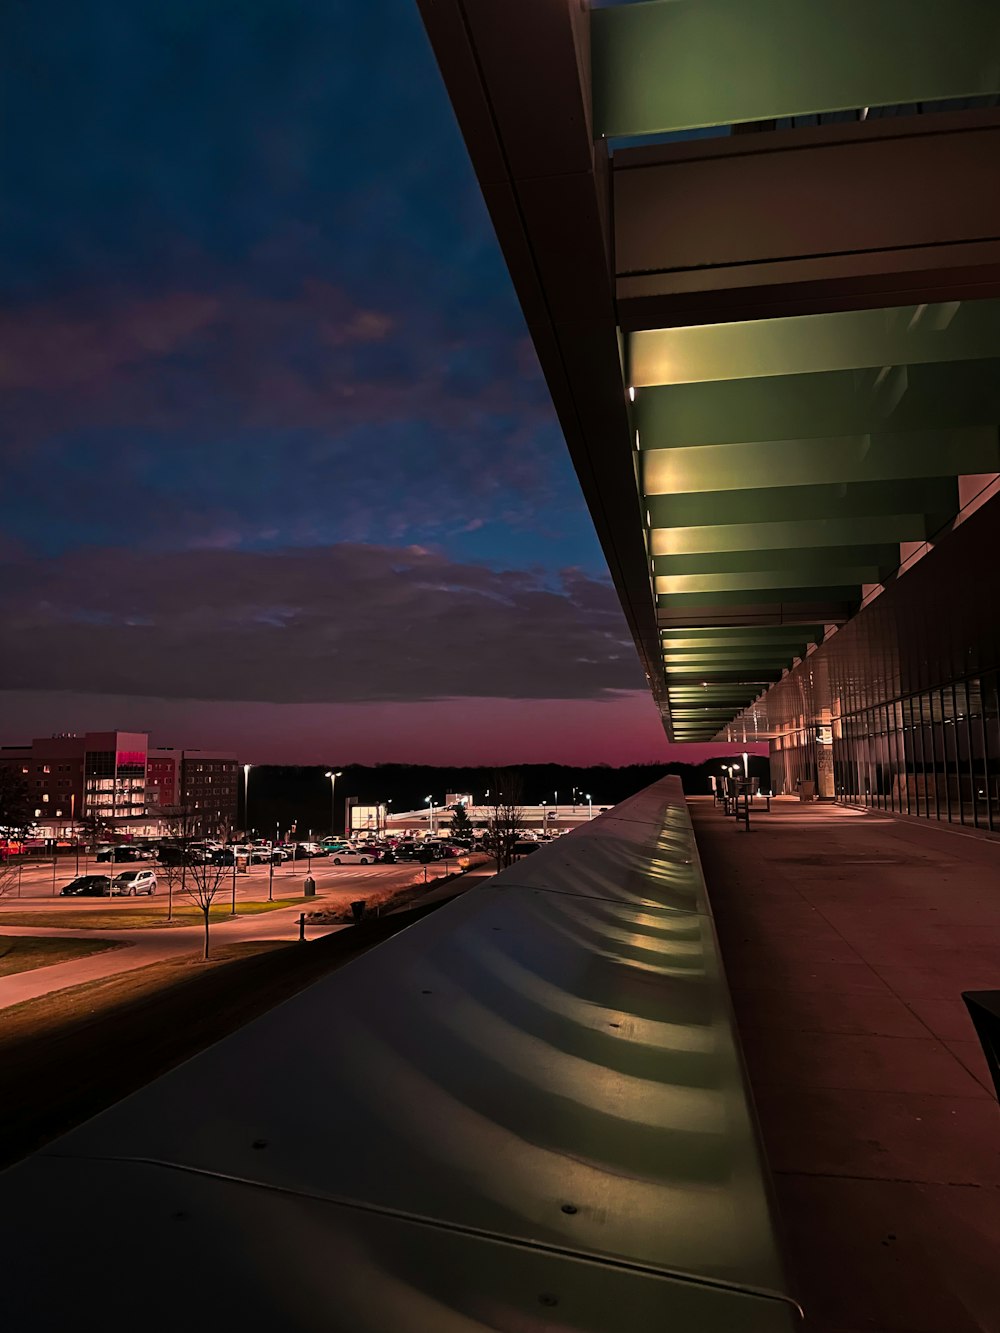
280	470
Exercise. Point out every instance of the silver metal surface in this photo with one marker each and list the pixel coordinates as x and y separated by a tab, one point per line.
544	1068
198	1252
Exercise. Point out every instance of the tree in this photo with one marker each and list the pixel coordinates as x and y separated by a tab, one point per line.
16	809
95	827
506	816
175	851
202	885
461	824
184	867
10	876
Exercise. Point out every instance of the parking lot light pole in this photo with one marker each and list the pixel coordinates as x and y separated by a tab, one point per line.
333	808
234	881
590	806
246	796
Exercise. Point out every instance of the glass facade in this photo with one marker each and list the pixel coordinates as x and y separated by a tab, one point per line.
934	754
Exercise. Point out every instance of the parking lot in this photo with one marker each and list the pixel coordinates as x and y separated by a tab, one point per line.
40	884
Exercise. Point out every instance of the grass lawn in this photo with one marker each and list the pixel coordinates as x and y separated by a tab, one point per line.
67	1055
23	953
93	999
138	918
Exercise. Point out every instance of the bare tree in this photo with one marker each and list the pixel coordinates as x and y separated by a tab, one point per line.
506	816
204	883
175	851
10	876
15	805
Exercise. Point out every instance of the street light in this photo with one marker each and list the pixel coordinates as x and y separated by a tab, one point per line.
430	812
590	806
246	795
333	787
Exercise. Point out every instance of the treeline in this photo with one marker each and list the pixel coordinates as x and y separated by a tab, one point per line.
283	795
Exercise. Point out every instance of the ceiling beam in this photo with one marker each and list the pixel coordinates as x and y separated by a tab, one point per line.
820	461
778	535
934	396
808	344
776	504
884	556
682	64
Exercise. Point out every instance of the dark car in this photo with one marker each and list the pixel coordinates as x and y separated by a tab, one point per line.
88	886
119	854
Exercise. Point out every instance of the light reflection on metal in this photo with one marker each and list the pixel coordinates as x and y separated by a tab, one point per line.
539	1068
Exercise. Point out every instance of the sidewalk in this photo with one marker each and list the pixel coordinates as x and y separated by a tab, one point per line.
141	947
155	944
847	939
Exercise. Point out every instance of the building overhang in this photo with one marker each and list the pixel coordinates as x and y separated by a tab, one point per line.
773	354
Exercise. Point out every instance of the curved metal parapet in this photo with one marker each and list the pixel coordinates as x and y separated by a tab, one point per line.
525	1112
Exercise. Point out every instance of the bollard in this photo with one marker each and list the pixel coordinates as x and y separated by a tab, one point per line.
302	927
358	908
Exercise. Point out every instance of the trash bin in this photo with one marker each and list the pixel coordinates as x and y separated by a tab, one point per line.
310	887
243	864
358	908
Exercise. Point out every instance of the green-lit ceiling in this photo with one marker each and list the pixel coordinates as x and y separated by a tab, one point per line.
782	462
772	486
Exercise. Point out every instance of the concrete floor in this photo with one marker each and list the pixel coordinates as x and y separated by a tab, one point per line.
848	938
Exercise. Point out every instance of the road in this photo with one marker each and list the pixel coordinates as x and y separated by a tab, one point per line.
38	886
336	887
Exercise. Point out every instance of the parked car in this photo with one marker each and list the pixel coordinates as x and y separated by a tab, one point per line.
302	850
261	856
351	856
132	882
88	886
122	854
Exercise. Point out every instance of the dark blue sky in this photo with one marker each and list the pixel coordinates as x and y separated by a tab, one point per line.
273	431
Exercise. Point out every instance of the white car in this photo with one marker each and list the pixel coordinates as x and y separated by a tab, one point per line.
131	882
351	856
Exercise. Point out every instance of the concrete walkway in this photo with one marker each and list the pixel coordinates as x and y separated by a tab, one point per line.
141	948
157	944
848	938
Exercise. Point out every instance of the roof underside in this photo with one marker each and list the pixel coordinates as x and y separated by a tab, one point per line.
773	353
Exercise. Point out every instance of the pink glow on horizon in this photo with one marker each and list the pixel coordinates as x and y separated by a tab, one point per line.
625	729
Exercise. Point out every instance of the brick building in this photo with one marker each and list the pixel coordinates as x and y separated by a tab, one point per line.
117	774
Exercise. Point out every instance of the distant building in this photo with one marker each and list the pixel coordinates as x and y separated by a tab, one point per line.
117	775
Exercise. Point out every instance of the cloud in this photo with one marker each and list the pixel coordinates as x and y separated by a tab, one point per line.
344	623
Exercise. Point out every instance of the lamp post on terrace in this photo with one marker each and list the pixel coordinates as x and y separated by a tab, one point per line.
333	789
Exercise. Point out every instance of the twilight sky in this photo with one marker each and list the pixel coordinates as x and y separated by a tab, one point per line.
279	466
